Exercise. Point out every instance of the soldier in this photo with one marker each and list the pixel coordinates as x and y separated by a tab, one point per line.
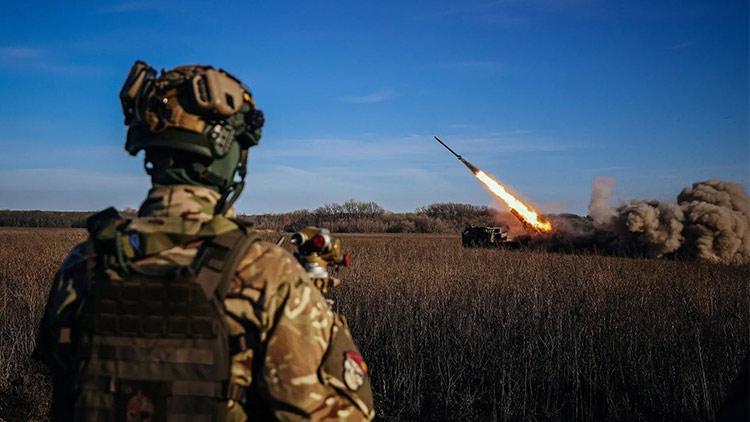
182	313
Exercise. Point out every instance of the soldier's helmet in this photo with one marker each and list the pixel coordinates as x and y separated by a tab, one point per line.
195	123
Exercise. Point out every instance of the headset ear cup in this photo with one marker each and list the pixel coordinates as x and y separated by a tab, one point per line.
254	119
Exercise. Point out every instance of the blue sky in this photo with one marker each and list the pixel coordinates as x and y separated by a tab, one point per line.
543	94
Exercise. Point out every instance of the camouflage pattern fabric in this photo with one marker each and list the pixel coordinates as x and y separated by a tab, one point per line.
301	359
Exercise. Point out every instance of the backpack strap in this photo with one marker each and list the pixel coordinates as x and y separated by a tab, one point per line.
219	258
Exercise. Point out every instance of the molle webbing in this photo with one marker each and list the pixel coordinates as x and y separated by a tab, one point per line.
160	343
216	264
143	306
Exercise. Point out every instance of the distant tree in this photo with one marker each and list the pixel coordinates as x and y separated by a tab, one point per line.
327	211
361	209
453	211
351	209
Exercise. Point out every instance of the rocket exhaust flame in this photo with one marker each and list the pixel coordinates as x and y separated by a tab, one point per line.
528	217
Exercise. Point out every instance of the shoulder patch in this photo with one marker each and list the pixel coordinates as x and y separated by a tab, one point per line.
355	370
344	368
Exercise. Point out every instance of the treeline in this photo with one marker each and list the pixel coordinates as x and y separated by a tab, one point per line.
368	217
352	216
10	218
36	218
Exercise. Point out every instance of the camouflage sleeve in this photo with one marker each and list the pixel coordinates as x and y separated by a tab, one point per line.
53	345
59	311
305	365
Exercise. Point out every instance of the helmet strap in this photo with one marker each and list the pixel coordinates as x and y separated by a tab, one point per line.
205	175
231	193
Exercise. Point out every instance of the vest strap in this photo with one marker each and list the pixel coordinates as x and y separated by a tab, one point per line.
218	261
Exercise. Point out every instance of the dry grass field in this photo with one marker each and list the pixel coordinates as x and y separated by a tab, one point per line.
456	334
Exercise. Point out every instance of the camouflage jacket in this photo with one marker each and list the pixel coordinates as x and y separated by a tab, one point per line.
270	298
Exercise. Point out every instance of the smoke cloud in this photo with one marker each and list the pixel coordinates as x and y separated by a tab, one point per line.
709	221
599	209
656	227
717	216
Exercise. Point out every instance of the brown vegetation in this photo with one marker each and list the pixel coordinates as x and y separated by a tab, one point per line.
28	260
350	217
368	217
467	334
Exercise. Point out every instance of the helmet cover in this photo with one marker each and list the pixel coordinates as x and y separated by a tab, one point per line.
195	108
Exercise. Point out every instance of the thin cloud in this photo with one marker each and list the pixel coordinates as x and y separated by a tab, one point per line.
68	179
509	12
347	149
128	7
18	155
20	53
69	189
681	45
489	66
406	148
22	58
374	98
462	10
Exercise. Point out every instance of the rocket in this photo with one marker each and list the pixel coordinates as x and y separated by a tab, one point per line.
523	221
530	219
470	166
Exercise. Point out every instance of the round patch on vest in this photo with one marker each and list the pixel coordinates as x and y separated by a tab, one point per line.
355	370
140	408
